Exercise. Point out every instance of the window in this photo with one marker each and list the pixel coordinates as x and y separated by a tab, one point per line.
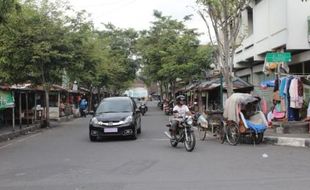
250	21
246	78
115	106
257	1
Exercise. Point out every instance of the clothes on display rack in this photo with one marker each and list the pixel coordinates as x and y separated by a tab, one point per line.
290	97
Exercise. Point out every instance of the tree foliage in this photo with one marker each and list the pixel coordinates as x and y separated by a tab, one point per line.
225	19
6	8
169	52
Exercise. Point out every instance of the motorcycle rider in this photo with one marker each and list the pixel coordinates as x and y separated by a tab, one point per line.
83	106
179	110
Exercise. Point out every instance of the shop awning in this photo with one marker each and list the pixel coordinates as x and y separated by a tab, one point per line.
238	83
6	99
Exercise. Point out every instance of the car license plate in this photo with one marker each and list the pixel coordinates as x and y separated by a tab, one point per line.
110	130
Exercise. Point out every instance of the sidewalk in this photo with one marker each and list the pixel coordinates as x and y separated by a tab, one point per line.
7	133
295	140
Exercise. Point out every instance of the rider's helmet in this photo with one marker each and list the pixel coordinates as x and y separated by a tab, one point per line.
180	99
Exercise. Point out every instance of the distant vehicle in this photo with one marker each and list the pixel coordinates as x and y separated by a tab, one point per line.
115	116
141	104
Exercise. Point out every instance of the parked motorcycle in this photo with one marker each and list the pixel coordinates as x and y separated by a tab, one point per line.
168	108
160	105
184	133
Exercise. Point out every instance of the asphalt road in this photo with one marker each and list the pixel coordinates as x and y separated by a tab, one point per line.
63	158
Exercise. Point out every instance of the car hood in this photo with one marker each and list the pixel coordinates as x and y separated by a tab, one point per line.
113	116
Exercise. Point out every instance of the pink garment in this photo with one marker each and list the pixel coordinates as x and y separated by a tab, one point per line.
295	100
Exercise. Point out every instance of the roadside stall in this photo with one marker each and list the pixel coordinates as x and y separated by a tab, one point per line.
7	110
290	97
211	92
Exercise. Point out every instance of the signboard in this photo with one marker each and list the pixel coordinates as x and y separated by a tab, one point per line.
279	57
6	100
54	112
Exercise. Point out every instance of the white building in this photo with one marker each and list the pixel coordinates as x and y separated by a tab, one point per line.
271	26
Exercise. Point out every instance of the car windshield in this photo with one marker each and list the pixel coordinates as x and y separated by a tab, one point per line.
114	106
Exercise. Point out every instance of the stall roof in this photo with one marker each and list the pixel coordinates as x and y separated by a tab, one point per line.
238	83
33	87
188	87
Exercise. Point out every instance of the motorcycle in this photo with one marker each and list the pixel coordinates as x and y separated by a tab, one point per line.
143	109
168	108
184	133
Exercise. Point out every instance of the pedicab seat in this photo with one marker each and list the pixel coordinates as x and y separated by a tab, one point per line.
256	122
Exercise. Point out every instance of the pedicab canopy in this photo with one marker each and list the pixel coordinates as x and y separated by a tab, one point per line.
233	104
6	100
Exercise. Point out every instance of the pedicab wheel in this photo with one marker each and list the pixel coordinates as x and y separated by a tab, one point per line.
201	132
257	139
221	133
232	133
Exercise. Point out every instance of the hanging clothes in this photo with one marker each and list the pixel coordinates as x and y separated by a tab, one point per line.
282	87
300	88
276	84
295	89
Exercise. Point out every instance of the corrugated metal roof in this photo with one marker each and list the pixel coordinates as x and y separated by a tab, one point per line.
206	85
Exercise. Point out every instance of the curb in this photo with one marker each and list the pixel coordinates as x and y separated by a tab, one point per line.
18	132
64	118
13	134
287	141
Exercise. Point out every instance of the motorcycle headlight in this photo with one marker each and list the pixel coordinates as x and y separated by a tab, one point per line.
128	119
189	121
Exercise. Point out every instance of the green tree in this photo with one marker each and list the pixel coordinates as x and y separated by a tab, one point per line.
169	52
6	8
119	65
38	49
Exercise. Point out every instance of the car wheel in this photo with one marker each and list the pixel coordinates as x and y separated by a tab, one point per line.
139	130
92	138
134	135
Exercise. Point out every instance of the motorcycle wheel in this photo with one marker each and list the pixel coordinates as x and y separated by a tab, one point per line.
232	134
202	133
221	133
190	142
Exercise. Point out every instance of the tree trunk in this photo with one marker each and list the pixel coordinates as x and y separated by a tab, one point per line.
161	91
200	106
47	110
90	107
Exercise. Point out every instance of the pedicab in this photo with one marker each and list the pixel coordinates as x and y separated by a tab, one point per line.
211	121
243	118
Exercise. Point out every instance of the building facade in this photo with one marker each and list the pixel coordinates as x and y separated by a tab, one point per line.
273	26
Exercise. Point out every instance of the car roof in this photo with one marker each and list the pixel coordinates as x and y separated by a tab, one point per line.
117	98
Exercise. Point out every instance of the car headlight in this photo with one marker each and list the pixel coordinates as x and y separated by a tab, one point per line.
128	119
94	121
